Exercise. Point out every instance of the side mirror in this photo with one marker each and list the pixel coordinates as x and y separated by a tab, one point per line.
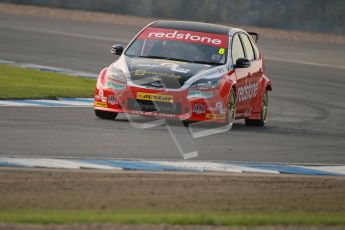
117	49
242	63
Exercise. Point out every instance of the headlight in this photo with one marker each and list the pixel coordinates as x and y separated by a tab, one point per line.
211	83
116	74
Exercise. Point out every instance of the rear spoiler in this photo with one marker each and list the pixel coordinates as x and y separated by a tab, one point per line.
255	36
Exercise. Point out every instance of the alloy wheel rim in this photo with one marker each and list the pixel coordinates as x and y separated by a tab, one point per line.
231	108
264	107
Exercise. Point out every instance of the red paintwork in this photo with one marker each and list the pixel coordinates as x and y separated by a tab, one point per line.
179	97
237	79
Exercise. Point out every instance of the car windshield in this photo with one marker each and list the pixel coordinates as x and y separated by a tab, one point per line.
180	45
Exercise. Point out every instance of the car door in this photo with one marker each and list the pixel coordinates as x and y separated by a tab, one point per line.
255	72
237	51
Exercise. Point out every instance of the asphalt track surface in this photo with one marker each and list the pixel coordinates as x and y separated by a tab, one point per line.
307	105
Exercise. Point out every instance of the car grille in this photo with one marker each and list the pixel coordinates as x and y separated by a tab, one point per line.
150	106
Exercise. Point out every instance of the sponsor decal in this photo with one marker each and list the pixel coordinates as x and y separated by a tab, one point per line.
148	65
100	96
140	72
154	114
112	99
218	40
162	107
154	97
175	67
204	85
199	94
172	66
215	116
221	70
199	108
149	106
115	86
101	104
156	84
143	72
247	92
248	112
219	108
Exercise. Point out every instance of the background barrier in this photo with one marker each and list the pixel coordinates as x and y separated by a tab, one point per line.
306	15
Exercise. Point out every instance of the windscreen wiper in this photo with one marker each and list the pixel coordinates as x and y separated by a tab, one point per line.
182	60
165	58
207	63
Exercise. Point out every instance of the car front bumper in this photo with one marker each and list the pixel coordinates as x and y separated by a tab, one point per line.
189	105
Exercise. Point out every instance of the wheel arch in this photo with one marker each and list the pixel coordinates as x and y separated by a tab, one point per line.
268	86
264	84
232	85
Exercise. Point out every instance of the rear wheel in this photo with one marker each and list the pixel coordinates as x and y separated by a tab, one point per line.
264	111
231	111
105	114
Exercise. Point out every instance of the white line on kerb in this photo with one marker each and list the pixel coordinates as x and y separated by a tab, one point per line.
123	40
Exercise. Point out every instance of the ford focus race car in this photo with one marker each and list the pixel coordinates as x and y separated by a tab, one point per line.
189	71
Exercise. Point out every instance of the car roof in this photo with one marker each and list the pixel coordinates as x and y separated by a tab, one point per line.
193	26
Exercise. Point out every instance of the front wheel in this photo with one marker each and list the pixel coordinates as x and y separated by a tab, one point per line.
105	114
231	110
264	111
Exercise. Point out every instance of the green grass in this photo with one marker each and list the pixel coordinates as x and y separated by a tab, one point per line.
20	83
175	218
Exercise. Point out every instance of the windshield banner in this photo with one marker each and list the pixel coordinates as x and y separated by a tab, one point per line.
218	40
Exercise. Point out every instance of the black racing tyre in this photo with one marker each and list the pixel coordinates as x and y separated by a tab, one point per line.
105	114
231	108
186	123
264	112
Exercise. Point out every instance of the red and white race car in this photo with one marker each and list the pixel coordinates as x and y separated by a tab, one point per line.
186	70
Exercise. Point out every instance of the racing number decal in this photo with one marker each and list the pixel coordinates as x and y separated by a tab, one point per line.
221	51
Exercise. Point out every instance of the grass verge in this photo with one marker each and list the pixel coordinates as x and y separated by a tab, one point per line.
20	83
174	218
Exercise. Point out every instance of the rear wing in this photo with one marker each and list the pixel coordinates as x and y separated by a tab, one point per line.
255	36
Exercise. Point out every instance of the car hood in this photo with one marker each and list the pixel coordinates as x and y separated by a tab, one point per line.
161	73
